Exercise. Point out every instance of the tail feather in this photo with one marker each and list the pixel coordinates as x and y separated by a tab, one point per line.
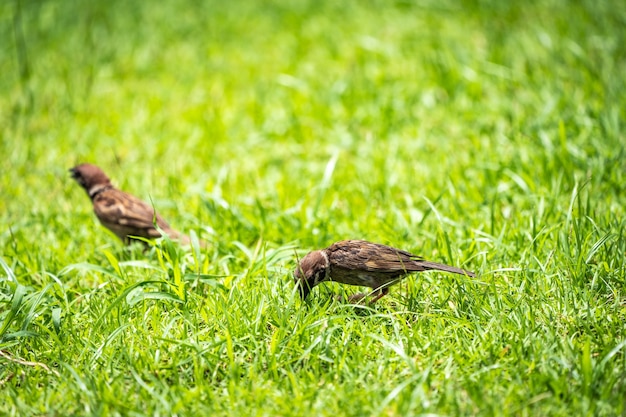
447	268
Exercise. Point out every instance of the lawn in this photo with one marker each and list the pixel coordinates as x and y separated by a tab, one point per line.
487	135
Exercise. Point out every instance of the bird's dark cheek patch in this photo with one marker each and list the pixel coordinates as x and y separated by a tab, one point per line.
319	277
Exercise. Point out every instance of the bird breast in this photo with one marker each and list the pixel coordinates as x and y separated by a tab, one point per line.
362	278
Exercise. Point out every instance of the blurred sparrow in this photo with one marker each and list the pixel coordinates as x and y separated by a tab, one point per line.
357	262
122	213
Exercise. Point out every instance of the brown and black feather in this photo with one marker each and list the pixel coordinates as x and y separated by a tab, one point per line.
358	262
122	213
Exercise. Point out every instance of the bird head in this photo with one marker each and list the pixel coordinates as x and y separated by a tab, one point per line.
89	176
313	269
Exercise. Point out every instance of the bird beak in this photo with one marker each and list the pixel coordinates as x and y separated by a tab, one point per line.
303	287
73	173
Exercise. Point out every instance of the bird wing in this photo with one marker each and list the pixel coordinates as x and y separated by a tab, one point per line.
117	208
373	257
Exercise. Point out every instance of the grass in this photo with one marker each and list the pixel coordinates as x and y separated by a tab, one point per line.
484	134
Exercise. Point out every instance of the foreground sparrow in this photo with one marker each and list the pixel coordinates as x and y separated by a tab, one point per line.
122	213
357	262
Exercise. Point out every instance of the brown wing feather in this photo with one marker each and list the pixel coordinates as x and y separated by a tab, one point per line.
125	214
374	257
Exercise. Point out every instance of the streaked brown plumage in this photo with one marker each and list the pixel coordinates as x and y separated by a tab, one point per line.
122	213
358	262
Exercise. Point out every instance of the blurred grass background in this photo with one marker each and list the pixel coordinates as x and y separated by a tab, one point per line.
484	134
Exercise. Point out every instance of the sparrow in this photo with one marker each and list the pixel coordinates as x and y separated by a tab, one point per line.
120	212
358	262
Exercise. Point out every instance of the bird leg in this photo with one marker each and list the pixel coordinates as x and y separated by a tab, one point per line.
378	294
355	298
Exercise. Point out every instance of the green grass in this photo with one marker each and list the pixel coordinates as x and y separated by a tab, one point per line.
484	134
